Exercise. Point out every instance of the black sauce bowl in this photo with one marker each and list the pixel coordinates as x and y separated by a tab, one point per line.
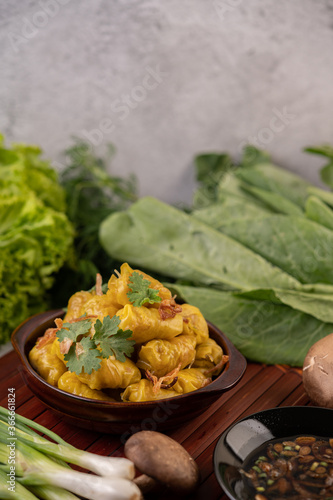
241	440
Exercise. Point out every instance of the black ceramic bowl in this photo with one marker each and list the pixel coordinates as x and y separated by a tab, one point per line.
241	440
123	417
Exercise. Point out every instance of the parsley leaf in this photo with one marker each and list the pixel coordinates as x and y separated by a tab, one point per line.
113	341
141	293
85	353
72	331
83	356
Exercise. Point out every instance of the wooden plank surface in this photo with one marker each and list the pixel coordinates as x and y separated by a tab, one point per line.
260	388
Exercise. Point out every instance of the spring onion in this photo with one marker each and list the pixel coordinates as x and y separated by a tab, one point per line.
20	492
52	493
104	466
41	468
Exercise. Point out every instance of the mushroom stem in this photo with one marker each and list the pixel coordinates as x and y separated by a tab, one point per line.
147	484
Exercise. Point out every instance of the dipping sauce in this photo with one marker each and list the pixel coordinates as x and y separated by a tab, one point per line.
298	467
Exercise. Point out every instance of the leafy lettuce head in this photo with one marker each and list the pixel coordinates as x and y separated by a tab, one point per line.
36	236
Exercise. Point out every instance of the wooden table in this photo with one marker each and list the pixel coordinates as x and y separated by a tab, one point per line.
260	388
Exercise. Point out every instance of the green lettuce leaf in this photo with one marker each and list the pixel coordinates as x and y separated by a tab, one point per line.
210	168
298	246
35	234
263	174
23	170
326	173
318	211
325	196
156	236
275	200
228	211
315	303
232	187
262	330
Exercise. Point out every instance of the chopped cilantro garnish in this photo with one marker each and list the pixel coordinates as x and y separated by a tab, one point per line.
112	340
72	331
84	353
140	292
83	356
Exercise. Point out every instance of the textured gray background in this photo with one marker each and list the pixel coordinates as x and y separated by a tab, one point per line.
229	68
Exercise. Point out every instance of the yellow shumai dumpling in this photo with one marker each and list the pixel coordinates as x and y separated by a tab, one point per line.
143	391
69	382
118	287
162	356
55	349
46	363
208	354
112	374
190	380
90	304
146	323
194	323
76	305
100	306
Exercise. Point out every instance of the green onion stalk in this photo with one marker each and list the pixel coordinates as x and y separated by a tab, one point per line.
42	471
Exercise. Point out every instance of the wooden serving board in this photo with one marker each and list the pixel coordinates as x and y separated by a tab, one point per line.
260	388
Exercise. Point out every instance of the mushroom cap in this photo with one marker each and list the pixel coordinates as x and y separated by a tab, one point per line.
163	459
318	372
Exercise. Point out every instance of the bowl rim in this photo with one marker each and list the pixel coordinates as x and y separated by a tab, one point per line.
220	442
231	375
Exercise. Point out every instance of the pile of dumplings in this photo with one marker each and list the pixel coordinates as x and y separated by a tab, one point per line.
173	352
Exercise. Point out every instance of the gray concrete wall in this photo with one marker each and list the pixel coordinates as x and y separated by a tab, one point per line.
164	80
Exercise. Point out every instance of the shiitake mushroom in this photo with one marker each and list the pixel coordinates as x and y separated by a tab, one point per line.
318	372
164	463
